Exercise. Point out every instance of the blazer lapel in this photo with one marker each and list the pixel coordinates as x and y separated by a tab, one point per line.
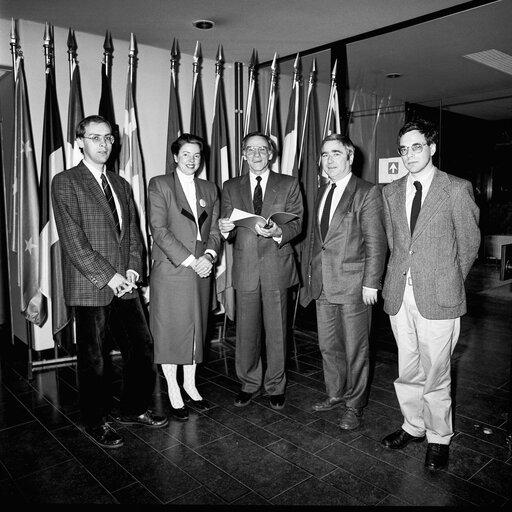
181	199
245	193
202	214
270	195
344	205
397	205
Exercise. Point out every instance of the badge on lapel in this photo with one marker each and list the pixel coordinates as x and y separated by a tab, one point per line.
202	203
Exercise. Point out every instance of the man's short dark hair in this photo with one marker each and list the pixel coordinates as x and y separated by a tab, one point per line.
270	142
344	139
86	121
186	138
426	128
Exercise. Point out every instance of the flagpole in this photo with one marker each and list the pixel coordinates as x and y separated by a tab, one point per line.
108	50
132	61
239	113
311	83
271	95
71	53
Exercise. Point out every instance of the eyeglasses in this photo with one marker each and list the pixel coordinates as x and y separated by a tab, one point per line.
98	139
416	148
252	150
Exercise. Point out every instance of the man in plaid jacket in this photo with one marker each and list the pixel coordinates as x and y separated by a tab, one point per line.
102	256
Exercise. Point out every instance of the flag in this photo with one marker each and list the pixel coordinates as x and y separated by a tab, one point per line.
131	166
272	119
25	204
75	106
290	144
106	107
174	119
309	179
332	117
197	117
220	172
52	162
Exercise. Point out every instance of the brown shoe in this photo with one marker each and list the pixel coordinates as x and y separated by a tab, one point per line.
327	404
351	418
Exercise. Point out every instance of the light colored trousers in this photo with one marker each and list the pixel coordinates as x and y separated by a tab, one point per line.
423	387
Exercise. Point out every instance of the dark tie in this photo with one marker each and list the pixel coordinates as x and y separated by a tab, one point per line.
110	199
257	199
416	206
324	221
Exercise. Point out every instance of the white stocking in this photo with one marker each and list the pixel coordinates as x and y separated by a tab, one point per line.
172	385
189	381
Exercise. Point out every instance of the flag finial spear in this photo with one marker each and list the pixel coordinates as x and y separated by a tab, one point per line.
107	44
333	74
219	61
297	68
312	73
133	45
197	57
175	54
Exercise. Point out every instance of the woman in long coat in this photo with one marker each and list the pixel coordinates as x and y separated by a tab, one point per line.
183	213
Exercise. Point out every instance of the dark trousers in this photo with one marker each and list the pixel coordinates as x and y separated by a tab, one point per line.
271	306
343	332
125	322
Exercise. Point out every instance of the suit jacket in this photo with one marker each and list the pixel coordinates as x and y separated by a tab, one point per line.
441	251
354	251
92	249
173	225
258	259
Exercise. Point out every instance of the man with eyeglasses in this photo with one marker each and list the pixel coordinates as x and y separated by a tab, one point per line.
431	221
102	257
264	269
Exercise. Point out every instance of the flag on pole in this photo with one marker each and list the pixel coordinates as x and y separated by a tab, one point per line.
75	105
290	145
332	117
197	117
272	118
131	166
174	119
50	275
106	107
25	203
309	177
220	172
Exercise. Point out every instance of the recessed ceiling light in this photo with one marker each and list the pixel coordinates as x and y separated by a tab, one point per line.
494	59
203	24
393	75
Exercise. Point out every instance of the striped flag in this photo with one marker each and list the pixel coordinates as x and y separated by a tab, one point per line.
220	172
290	144
50	275
25	204
131	166
174	119
197	117
75	105
272	118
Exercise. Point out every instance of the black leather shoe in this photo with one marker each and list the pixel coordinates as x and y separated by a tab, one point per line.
244	398
180	414
105	436
148	419
277	401
437	456
400	439
200	405
329	403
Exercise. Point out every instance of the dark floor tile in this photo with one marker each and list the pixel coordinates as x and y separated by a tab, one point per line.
29	447
254	466
496	477
10	493
157	438
330	428
482	447
156	473
217	481
465	462
50	417
201	496
314	492
302	458
136	494
12	412
481	431
392	501
365	492
97	460
251	499
66	483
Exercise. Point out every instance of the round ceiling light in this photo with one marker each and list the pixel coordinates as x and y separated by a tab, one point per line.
203	24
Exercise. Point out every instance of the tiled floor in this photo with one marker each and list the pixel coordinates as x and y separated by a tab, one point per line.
257	456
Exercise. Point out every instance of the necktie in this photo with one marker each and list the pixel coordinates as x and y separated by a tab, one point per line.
110	199
324	221
257	199
416	205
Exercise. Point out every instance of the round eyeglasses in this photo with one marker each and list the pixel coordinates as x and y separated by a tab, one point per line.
98	139
416	148
252	150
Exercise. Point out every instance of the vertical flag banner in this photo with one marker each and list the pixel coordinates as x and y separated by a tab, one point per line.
220	171
290	144
25	200
309	176
272	118
174	119
131	166
106	107
197	117
75	105
50	276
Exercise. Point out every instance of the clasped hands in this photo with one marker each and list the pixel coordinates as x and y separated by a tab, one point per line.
202	266
121	285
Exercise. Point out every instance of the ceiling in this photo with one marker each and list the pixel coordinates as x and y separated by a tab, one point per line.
428	56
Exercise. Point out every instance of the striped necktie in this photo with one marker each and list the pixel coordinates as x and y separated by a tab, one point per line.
110	199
